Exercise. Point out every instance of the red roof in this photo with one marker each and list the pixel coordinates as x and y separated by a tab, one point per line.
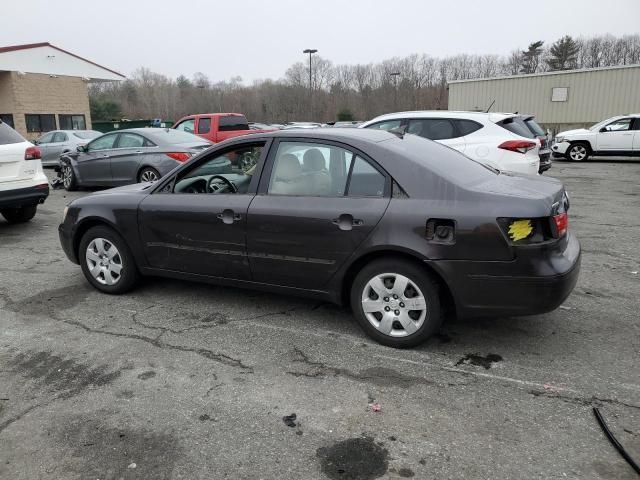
27	46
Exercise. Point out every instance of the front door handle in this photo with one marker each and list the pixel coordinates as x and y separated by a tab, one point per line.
228	216
347	222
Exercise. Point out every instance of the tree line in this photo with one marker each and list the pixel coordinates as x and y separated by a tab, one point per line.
414	82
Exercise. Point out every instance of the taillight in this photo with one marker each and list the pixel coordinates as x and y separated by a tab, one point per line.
520	146
561	221
32	153
179	156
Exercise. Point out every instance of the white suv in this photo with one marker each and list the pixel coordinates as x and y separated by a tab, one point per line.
500	140
23	184
617	136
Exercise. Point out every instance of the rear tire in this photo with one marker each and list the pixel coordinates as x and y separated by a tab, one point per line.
107	262
578	152
69	181
148	174
388	289
19	215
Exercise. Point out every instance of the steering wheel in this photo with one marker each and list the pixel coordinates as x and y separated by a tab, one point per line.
212	188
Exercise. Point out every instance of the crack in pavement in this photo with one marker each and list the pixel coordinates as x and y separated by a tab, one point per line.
584	401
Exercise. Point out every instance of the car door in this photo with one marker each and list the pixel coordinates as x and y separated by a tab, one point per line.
441	130
304	223
616	136
186	230
94	164
127	155
43	144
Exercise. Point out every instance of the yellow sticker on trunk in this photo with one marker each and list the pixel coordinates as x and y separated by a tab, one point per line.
520	229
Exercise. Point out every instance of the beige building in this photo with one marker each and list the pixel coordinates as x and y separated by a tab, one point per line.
559	100
44	88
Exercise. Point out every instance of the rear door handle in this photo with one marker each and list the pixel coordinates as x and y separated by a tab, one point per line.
228	216
138	151
347	222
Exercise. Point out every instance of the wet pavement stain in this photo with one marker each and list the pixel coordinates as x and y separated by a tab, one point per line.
354	459
48	302
147	375
479	361
406	472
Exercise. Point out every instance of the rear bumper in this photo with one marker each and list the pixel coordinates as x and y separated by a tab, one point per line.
537	281
23	197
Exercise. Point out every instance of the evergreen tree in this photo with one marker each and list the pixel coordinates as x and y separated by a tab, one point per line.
531	58
563	54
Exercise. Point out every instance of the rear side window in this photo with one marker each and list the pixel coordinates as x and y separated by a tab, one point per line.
9	135
432	128
366	181
234	122
204	125
516	125
467	127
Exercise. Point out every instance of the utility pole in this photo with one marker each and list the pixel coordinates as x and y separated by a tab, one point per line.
395	89
310	51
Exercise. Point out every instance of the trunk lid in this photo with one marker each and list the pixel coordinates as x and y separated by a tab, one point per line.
13	166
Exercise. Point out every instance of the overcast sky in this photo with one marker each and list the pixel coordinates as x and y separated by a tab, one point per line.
261	39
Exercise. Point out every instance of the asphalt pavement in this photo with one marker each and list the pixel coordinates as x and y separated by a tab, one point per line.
185	381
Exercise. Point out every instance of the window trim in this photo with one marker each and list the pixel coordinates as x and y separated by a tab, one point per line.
263	187
71	115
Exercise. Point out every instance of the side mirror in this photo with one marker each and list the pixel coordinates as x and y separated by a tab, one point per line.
81	148
603	129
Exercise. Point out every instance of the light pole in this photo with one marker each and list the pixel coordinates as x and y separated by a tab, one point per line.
395	89
310	51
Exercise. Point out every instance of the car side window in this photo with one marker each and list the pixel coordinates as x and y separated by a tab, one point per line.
130	140
310	169
619	125
467	127
48	138
204	125
366	180
102	143
60	137
187	126
386	125
432	128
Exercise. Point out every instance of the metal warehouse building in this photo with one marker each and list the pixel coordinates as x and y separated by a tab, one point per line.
559	100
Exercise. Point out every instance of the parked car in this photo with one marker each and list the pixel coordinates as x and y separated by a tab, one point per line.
396	225
345	124
216	127
23	184
500	140
545	151
55	143
615	136
128	156
290	125
263	126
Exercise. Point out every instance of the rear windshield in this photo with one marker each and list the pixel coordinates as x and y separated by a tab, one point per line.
87	134
9	135
516	125
234	122
173	137
534	127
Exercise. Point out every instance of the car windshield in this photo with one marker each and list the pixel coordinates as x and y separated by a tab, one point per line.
87	134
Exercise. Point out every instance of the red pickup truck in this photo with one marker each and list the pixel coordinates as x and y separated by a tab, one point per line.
216	127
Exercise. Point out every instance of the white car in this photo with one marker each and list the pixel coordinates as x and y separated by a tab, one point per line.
616	136
23	184
499	140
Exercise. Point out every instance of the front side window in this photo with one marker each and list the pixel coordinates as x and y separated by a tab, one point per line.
188	126
60	137
48	138
103	143
386	125
619	125
37	122
432	128
204	125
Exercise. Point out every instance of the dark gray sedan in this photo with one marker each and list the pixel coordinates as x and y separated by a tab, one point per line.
128	156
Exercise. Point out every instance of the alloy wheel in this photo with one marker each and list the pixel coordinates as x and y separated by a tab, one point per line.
578	152
67	176
104	261
394	304
148	176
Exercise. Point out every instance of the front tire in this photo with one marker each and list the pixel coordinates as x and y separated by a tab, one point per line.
577	152
148	174
19	215
106	261
396	302
69	181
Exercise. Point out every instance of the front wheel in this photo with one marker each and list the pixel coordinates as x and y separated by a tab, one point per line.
69	181
577	152
19	215
396	302
106	261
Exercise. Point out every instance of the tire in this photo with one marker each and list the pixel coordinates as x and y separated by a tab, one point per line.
116	272
421	323
578	152
19	215
148	174
69	180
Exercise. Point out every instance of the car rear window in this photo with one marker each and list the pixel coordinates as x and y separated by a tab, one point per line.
233	122
9	135
534	127
516	125
173	136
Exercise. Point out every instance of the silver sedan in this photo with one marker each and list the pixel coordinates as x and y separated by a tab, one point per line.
55	143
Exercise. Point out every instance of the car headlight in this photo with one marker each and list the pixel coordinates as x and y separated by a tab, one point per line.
559	139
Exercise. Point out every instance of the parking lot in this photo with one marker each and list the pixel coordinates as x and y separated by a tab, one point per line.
182	380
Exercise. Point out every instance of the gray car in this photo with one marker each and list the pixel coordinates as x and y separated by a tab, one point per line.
129	156
55	143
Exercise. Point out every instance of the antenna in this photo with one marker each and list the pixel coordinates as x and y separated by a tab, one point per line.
487	111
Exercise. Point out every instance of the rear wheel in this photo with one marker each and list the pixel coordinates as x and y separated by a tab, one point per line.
69	181
578	152
106	261
396	302
148	174
19	215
